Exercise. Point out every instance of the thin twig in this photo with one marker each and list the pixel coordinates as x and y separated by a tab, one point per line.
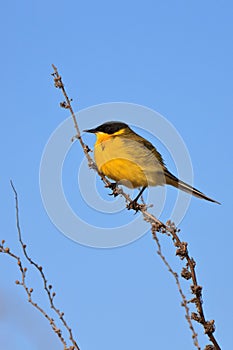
156	226
29	291
188	273
183	297
47	287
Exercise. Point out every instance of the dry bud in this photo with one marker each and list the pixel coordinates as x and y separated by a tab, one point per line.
57	82
63	104
209	327
196	290
182	250
185	273
87	149
195	317
209	347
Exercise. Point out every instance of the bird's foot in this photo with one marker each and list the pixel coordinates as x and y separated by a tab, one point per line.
135	206
113	187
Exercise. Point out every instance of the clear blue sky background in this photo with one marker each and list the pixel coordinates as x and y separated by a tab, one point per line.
172	56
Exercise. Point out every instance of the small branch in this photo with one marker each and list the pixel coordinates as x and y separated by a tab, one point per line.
67	105
29	291
188	273
47	287
156	226
183	297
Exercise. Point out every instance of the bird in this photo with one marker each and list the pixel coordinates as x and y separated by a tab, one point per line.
129	159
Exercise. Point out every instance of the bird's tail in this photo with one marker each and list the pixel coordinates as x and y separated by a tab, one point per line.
174	181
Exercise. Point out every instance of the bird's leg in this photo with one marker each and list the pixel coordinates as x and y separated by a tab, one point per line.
113	186
139	195
133	204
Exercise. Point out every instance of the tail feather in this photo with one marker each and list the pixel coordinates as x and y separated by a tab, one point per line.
174	181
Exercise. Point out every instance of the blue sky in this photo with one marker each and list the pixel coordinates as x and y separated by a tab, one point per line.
173	57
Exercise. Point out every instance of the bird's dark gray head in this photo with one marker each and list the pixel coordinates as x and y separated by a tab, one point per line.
108	128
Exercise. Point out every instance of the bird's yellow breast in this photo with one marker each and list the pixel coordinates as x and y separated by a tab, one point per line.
127	161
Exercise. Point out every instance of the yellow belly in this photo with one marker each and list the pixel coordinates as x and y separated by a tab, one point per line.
128	162
125	171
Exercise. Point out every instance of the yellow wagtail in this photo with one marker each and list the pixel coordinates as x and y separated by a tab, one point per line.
129	159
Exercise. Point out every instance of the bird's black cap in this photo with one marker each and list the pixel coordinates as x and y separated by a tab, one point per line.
108	128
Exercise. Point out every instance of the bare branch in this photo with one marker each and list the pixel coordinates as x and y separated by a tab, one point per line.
183	297
48	287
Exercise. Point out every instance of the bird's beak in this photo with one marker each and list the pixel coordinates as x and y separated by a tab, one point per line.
93	131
